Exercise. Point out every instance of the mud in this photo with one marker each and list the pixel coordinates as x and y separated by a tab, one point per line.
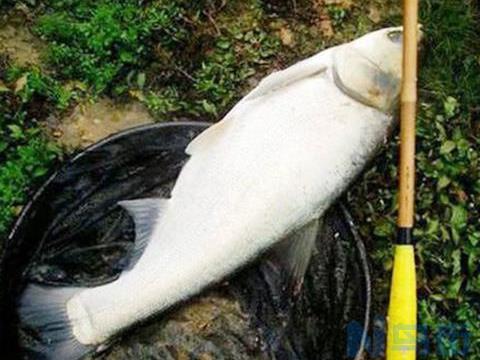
18	42
90	122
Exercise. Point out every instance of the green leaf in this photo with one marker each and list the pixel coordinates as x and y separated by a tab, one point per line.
3	88
459	217
3	146
474	238
17	132
223	44
447	147
454	288
473	263
450	106
437	297
384	228
141	80
433	226
456	255
443	182
209	107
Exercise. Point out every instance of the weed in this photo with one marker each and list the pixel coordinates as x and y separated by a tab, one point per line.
337	14
22	167
26	97
31	83
218	79
233	60
101	41
448	162
25	155
163	102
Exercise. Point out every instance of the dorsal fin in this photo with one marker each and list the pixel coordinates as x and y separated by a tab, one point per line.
279	79
145	213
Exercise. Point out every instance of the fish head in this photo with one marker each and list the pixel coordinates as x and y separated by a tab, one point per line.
369	69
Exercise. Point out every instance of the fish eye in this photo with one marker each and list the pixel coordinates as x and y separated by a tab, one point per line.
395	36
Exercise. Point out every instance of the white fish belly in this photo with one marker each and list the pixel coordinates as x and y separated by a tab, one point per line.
282	161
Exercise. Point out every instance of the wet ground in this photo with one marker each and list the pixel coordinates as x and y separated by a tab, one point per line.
92	121
17	41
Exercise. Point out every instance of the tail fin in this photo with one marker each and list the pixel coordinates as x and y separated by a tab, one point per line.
43	310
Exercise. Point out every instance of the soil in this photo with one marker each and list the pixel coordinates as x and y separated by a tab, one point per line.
17	41
91	122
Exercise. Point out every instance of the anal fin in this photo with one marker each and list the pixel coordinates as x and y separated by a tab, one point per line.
146	213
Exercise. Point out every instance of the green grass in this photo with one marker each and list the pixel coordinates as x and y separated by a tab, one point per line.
100	42
448	229
20	170
25	154
236	48
118	47
448	183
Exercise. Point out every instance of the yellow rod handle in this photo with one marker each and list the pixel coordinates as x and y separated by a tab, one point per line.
402	313
407	115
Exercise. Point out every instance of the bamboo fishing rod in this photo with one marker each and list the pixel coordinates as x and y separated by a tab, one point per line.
402	311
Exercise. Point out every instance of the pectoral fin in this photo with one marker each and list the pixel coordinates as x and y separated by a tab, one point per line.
146	213
293	255
208	137
283	272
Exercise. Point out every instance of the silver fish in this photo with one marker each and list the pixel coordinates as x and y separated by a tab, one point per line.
265	174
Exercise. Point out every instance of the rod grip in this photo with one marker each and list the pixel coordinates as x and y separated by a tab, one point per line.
402	311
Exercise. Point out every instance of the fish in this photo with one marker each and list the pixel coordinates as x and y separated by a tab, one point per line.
259	180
